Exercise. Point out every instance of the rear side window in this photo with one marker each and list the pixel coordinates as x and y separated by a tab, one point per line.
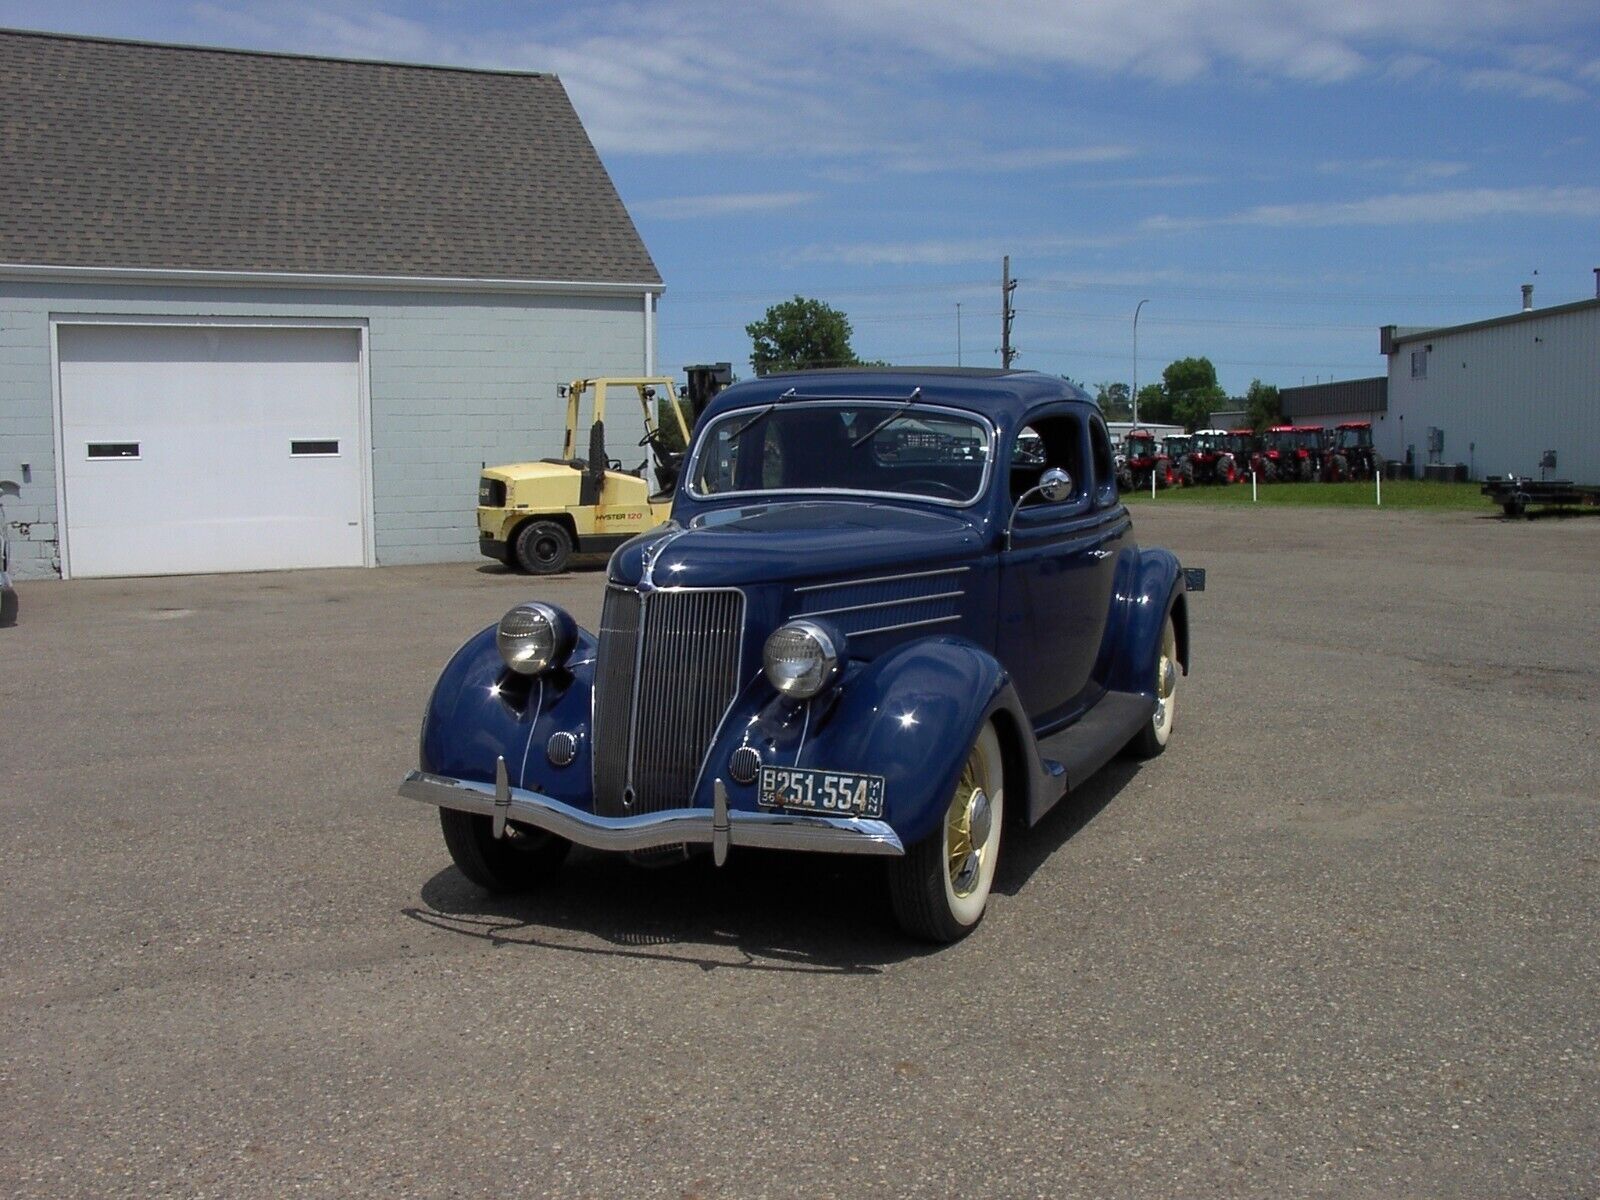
1104	465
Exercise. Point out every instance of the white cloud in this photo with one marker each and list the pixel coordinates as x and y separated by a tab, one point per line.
1406	208
944	252
816	83
1522	83
1408	171
719	204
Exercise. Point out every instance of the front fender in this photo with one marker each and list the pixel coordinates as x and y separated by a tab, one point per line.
1158	589
909	715
479	712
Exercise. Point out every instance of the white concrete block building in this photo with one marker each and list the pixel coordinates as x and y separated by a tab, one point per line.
265	311
1497	394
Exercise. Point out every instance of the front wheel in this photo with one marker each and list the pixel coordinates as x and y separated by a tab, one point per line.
1151	740
940	889
518	862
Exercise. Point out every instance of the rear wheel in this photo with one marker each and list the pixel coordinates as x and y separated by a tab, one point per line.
1338	468
1269	472
940	889
1186	474
1227	470
543	547
1125	480
518	862
1151	740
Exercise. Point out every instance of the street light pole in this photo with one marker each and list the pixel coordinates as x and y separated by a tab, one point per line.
1135	395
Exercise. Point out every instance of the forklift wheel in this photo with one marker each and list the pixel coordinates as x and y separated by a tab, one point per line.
543	547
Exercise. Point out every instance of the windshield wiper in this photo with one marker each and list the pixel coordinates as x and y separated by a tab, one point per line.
760	415
916	394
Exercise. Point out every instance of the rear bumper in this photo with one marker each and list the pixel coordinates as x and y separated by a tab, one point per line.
717	827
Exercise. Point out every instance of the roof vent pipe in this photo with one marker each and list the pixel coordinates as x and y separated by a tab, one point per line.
1597	283
1527	297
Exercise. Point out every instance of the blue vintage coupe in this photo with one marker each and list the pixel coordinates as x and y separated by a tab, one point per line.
894	612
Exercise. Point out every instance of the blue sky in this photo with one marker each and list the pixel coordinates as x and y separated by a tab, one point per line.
1277	179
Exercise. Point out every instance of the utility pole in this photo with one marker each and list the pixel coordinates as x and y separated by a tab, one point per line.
1135	397
958	333
1007	286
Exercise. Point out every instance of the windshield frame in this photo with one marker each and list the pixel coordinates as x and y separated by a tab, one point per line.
692	467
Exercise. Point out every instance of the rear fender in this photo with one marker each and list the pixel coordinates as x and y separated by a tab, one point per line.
1158	589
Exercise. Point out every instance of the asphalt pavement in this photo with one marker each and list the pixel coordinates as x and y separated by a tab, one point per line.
1338	941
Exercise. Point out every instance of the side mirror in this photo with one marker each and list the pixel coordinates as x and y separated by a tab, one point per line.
1055	485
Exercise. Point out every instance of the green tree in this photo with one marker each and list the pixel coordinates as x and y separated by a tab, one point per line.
1113	401
1191	387
1263	405
798	334
1154	404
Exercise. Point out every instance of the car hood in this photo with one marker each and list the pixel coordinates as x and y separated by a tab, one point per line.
790	542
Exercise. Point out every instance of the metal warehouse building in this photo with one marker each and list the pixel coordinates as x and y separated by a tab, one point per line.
1498	394
1331	404
266	311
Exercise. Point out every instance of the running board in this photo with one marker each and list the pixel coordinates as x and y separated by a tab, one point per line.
1075	753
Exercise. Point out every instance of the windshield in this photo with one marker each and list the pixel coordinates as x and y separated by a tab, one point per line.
1241	443
1205	443
1311	439
1354	439
933	454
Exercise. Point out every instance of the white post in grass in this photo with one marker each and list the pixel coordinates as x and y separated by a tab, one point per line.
1152	485
1377	477
1252	486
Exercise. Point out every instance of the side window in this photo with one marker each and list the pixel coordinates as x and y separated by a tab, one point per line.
1055	441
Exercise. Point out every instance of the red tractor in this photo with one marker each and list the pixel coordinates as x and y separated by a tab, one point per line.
1209	460
1245	447
1353	455
1293	453
1142	458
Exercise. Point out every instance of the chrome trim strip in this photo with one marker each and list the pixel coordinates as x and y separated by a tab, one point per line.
903	601
978	418
844	583
904	625
772	831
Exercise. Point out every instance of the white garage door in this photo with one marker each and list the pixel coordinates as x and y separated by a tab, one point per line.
210	448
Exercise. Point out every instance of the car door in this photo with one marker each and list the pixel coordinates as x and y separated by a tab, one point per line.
1056	577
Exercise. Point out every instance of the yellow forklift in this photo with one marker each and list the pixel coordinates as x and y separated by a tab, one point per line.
536	515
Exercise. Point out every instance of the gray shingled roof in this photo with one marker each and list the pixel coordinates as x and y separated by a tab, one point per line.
124	154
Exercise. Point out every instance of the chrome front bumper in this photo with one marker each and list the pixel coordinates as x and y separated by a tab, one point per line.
717	827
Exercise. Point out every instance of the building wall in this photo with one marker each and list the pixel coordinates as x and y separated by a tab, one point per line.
1503	395
456	380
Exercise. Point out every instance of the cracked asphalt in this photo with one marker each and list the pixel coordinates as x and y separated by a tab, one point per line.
1338	941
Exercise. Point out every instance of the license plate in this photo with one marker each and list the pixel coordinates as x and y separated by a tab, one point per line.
837	792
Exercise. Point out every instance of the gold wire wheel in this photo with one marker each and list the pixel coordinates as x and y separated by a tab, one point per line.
967	827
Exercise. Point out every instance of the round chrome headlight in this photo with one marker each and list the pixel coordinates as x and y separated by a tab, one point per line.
801	658
533	638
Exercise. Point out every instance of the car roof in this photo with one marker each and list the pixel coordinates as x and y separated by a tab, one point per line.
1003	396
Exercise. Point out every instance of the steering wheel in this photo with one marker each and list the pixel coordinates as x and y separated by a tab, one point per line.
649	439
939	485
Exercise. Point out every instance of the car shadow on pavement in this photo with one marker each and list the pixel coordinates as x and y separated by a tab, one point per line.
762	911
1026	850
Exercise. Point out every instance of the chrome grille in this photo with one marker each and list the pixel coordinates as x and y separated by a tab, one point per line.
668	669
613	696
